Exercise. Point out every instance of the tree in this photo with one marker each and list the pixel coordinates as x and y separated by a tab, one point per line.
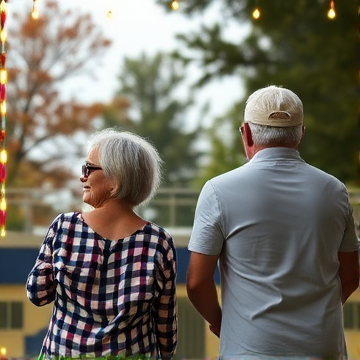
42	128
297	46
157	112
226	150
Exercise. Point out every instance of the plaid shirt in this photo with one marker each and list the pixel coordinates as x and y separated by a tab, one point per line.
111	297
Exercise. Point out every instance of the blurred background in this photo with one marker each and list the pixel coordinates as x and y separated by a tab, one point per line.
177	73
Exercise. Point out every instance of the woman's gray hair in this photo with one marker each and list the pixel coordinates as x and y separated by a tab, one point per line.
131	161
268	135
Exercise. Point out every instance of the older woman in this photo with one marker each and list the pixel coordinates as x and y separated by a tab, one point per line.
111	273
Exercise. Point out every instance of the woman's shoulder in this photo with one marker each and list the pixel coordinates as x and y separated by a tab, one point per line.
61	225
68	217
157	229
158	233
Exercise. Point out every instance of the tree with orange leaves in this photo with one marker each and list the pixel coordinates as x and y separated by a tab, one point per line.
44	132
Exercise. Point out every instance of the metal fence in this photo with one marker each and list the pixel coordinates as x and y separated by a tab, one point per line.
30	208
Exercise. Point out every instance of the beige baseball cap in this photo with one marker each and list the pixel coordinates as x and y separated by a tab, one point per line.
274	106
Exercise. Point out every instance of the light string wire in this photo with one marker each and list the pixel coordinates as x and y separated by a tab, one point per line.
331	13
256	13
35	14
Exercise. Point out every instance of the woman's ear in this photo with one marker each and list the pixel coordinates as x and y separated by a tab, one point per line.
113	187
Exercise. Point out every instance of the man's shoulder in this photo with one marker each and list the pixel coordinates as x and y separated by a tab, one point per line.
232	173
321	174
233	176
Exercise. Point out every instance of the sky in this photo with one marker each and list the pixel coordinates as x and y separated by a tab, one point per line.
139	26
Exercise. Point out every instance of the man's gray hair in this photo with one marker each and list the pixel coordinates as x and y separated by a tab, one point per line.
131	161
267	135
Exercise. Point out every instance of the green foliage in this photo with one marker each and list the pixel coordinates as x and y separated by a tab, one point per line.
226	152
318	60
295	45
157	113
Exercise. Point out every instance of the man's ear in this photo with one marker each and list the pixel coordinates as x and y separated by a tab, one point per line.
303	132
248	135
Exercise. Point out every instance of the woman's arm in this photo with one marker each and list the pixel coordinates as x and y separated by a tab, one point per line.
40	284
164	310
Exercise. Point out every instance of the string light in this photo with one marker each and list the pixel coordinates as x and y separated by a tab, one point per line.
109	14
3	76
35	13
175	5
256	14
3	353
3	152
331	13
3	108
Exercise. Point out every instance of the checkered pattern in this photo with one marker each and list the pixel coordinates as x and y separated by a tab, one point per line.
111	297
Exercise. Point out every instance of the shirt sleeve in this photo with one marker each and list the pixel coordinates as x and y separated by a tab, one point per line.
207	235
40	285
164	311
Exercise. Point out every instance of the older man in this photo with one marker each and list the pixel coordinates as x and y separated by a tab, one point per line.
283	234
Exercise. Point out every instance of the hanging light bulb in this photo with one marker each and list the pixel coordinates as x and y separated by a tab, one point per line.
3	352
34	12
3	14
3	108
175	5
3	156
3	35
256	14
331	13
109	5
3	76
